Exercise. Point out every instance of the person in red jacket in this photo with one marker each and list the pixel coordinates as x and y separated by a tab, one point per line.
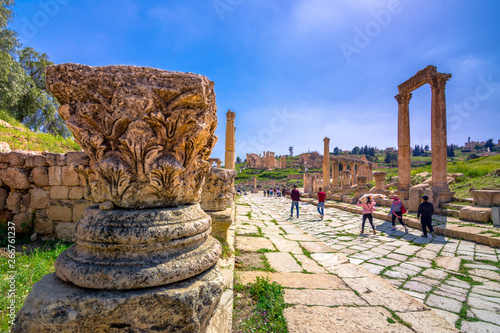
321	202
295	196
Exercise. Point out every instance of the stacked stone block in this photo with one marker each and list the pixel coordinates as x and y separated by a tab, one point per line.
41	193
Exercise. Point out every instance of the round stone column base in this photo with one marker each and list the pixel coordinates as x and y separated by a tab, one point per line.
57	306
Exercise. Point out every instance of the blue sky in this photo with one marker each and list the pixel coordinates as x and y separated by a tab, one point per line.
295	71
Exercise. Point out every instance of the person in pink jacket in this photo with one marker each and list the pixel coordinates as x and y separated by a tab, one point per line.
368	209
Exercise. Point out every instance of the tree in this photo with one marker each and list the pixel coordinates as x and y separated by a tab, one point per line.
489	144
336	151
426	148
238	160
450	150
290	150
417	151
22	81
355	151
390	158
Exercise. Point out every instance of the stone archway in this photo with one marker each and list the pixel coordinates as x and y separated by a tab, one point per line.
437	81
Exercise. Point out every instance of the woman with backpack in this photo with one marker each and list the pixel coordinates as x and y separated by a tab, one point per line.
368	209
397	211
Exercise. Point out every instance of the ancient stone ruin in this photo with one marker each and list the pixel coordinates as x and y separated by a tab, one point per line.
148	134
437	81
216	199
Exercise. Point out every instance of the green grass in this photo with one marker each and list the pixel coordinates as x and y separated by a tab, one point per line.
269	305
28	140
30	268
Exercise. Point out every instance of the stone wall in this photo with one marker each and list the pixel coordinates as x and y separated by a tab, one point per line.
41	193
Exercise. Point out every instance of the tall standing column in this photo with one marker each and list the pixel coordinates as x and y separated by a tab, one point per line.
326	164
335	175
404	162
230	141
438	129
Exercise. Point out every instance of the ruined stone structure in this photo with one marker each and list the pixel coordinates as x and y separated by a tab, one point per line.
312	160
216	199
437	81
230	160
217	161
41	192
148	134
379	182
357	166
266	161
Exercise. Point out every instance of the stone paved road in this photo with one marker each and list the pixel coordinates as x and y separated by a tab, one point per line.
459	279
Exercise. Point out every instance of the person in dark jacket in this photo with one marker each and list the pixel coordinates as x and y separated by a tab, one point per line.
295	196
425	210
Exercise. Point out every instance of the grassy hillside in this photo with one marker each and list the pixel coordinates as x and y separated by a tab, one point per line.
19	137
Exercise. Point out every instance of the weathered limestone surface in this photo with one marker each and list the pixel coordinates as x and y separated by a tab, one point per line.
486	198
302	318
128	249
229	161
218	189
56	306
479	214
148	132
221	221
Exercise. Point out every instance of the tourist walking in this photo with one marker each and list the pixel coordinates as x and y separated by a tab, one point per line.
368	209
321	202
295	196
397	211
425	211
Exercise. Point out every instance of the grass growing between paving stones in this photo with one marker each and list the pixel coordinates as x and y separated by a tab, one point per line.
306	253
259	307
226	249
267	266
30	267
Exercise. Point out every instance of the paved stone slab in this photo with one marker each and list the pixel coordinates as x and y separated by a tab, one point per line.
449	263
318	319
398	257
329	260
479	327
417	286
377	291
315	247
384	262
297	280
310	265
300	237
427	321
481	303
252	244
444	303
420	262
450	317
426	254
435	274
322	297
485	273
284	245
489	316
374	269
408	250
283	262
350	270
395	275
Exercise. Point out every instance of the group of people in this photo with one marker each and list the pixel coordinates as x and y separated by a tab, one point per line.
275	192
425	211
